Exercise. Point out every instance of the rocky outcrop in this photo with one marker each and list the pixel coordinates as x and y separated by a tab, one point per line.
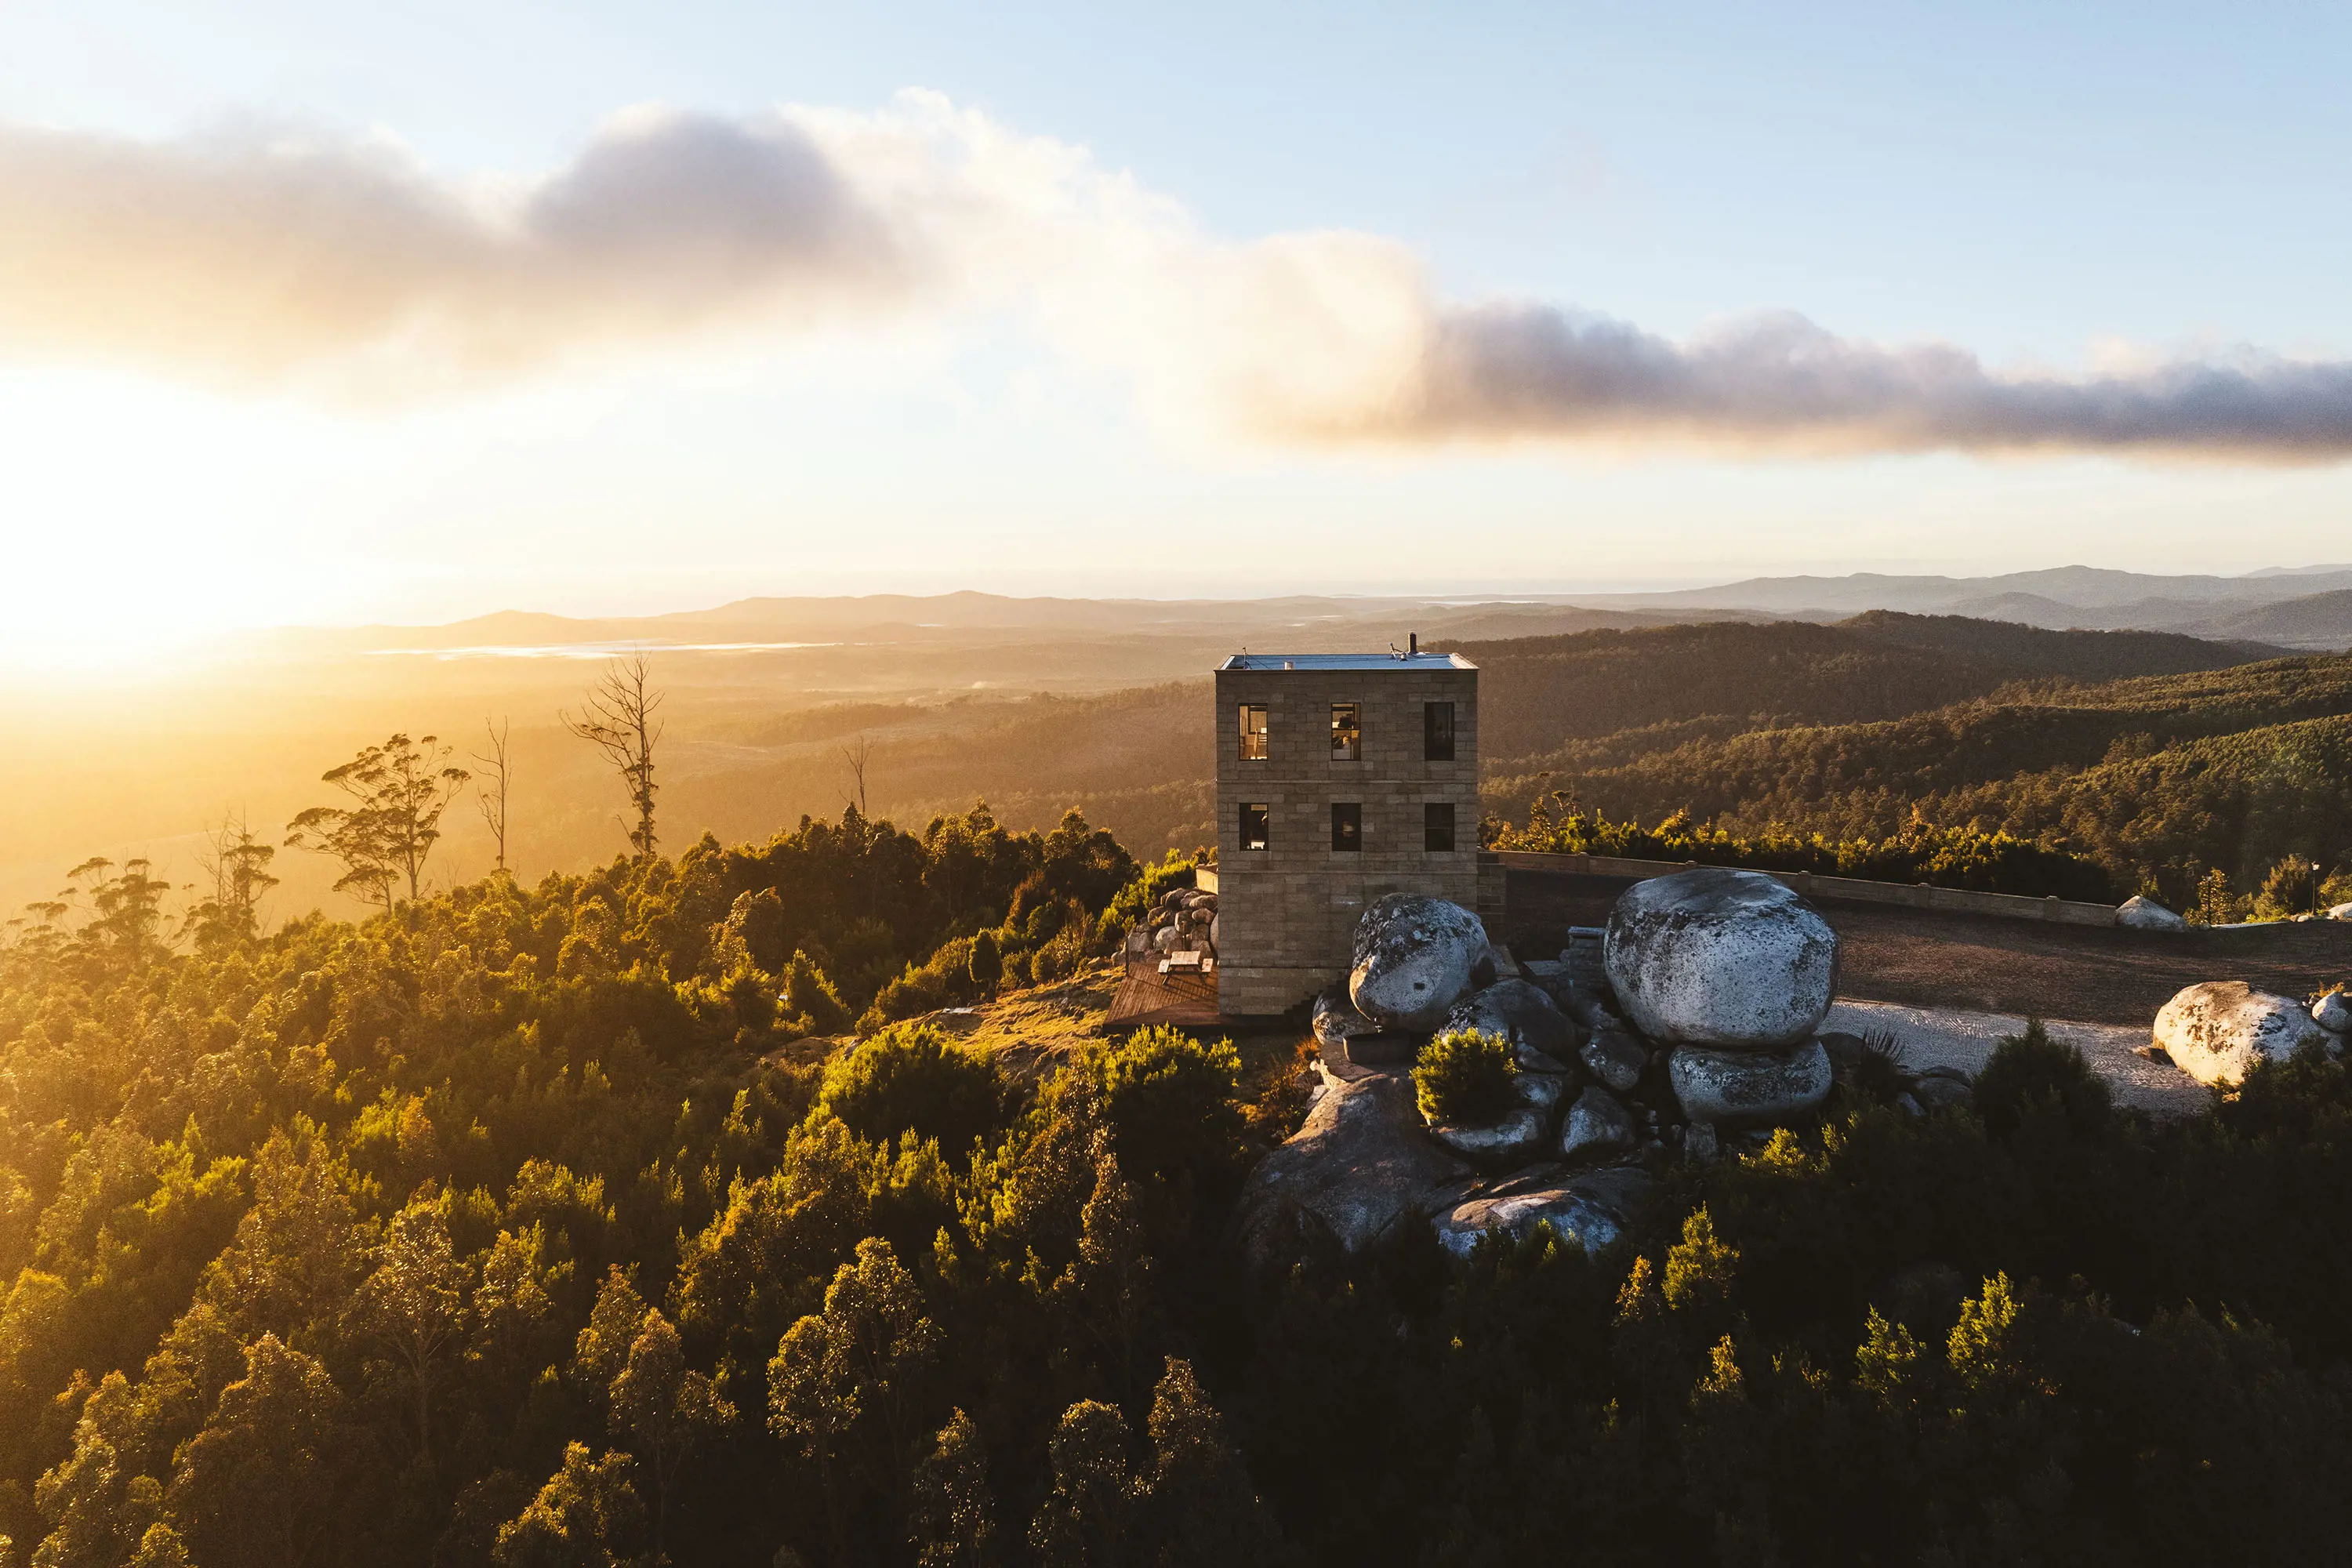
2216	1032
1346	1178
1749	1086
1597	1125
1518	1135
2142	913
1520	1012
1414	959
1591	1209
2333	1013
1616	1058
1183	920
1336	1021
1722	959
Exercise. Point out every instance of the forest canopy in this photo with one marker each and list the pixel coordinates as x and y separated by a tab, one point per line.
509	1227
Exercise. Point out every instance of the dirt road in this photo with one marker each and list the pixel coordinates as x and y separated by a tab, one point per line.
1975	961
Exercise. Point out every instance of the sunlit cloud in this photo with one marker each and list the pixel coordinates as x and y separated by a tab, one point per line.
344	264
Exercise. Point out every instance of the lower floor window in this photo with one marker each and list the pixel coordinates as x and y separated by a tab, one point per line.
1437	826
1347	826
1255	822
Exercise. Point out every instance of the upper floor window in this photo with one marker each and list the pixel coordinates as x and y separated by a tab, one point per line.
1437	826
1347	825
1255	821
1437	732
1347	733
1252	731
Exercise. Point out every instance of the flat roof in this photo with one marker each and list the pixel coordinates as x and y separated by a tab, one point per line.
1365	662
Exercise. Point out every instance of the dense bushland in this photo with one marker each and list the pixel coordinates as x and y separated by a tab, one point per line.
495	1230
2161	781
1989	862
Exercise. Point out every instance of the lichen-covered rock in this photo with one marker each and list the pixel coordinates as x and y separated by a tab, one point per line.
1518	1135
1597	1125
1616	1058
1519	1012
1591	1209
2215	1032
1731	960
2142	913
1344	1180
1335	1020
1748	1085
2333	1013
1414	959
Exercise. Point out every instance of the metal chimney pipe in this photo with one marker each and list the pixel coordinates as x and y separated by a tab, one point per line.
1412	643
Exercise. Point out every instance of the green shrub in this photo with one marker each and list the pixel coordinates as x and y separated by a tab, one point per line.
1465	1076
2031	1070
1173	1103
986	966
808	993
913	1078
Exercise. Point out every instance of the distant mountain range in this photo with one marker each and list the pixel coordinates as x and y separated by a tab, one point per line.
2303	608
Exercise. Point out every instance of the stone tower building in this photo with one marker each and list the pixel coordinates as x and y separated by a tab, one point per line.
1341	777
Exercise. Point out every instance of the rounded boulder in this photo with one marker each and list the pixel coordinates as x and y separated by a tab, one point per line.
1519	1012
1415	957
1749	1088
2215	1032
1733	960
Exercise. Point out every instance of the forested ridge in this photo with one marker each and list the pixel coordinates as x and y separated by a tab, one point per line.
509	1226
2162	780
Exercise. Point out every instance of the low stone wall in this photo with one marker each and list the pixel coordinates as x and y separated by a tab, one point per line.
1843	889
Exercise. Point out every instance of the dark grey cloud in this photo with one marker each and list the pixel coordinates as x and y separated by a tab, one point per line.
1781	382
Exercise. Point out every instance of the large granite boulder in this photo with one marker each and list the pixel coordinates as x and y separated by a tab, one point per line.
1414	959
1591	1209
1520	1012
1361	1163
2216	1032
2141	913
1748	1087
1713	957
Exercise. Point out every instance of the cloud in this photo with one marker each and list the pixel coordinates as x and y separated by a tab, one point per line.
264	255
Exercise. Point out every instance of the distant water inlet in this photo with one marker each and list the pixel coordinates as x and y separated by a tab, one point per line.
588	649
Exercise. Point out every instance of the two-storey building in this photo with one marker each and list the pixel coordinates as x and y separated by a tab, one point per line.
1340	778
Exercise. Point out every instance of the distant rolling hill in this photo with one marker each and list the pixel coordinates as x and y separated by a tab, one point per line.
2317	621
2159	776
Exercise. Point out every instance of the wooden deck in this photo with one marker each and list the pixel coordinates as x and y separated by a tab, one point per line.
1146	996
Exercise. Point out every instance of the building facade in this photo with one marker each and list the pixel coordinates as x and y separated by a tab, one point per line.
1340	778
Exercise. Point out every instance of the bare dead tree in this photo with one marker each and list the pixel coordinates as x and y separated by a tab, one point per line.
491	796
617	718
857	756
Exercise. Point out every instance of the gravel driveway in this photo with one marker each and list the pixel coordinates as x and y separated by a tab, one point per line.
1949	1036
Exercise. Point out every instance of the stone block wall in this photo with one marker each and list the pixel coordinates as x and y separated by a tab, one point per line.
1288	913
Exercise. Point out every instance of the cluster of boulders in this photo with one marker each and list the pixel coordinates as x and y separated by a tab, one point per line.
2216	1031
1697	1025
1183	920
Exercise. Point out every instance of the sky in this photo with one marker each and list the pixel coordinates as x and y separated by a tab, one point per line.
320	313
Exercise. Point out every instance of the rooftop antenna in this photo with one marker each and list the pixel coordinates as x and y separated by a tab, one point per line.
1395	652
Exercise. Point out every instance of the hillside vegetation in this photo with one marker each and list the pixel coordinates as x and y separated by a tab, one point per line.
2162	779
502	1230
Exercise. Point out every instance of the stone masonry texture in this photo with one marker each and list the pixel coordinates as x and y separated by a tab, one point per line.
1288	913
